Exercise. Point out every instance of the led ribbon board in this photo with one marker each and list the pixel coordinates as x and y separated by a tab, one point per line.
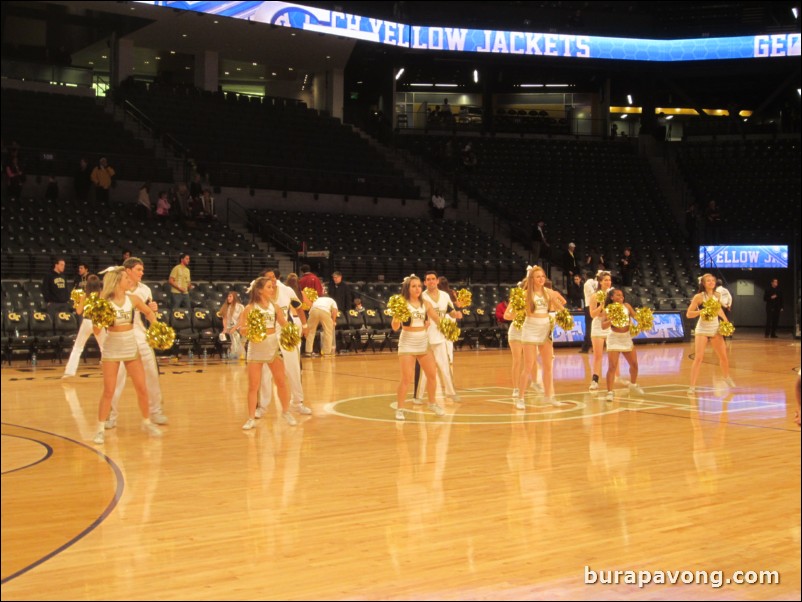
497	42
743	256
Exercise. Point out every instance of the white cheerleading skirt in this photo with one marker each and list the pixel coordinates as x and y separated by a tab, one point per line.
514	334
264	351
120	347
596	330
535	331
708	328
619	341
413	343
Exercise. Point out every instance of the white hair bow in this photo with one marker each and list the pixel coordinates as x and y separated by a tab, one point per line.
111	268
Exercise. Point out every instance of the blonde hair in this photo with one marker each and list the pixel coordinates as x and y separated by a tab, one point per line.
530	289
111	280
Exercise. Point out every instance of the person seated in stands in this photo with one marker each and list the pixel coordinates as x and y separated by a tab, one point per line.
358	307
144	207
207	204
163	205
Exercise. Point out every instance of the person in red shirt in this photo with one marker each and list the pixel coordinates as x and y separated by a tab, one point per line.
500	309
309	280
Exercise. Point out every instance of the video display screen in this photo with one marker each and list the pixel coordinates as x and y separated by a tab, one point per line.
743	256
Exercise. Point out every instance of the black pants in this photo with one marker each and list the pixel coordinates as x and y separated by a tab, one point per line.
772	320
586	344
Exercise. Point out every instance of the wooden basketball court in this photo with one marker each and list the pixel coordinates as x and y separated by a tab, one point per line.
484	503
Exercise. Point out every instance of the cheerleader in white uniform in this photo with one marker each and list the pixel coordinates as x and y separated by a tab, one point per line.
264	299
536	333
121	347
598	334
708	330
93	285
620	341
413	345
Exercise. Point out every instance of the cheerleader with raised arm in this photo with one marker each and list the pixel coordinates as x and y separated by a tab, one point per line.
706	305
536	334
263	347
413	345
619	340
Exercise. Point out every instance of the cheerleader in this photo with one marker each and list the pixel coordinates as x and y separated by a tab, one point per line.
413	345
230	313
120	347
708	330
92	285
620	341
517	351
598	334
536	333
264	299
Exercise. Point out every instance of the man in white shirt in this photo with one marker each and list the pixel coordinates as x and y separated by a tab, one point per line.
136	270
590	287
292	359
437	342
323	313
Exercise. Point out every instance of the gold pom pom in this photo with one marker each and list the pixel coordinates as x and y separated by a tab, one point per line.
565	320
99	311
290	336
398	308
75	296
518	298
449	329
257	326
311	295
645	319
617	314
710	309
160	336
518	321
634	330
726	328
599	296
464	297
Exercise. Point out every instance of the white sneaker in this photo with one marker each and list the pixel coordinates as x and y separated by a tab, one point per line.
520	404
151	429
158	418
637	390
515	393
99	438
594	386
399	415
111	423
417	402
437	409
289	418
302	409
537	388
260	412
455	398
249	424
729	382
610	396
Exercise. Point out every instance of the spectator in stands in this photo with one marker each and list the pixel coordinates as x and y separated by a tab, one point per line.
626	266
51	192
774	306
500	309
438	205
180	283
126	254
712	222
358	307
541	250
15	177
102	178
309	280
594	261
229	315
80	279
570	263
323	313
340	291
54	288
82	180
207	204
144	207
183	200
576	294
163	205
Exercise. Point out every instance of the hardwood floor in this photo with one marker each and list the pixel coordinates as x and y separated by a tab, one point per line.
483	503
